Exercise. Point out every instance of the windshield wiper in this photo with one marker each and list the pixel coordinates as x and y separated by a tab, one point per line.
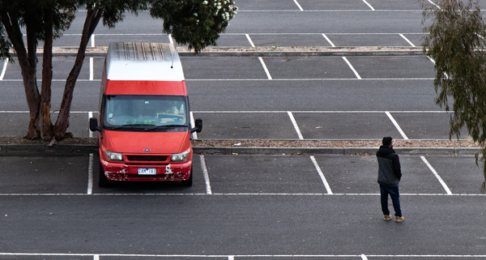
173	126
137	125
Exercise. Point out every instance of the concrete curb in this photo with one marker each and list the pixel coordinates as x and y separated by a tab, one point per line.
42	149
265	53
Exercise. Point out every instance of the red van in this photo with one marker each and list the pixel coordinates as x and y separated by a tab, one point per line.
144	120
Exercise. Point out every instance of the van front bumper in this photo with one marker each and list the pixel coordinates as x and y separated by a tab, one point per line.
163	172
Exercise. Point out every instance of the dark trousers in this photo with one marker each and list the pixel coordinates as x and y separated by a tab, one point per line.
395	196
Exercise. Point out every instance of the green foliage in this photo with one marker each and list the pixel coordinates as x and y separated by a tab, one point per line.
456	43
197	23
5	44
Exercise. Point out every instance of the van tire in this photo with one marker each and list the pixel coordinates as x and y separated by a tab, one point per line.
188	182
102	180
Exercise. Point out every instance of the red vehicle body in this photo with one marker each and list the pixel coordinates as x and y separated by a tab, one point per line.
144	120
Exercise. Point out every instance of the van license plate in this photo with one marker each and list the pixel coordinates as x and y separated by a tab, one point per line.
146	171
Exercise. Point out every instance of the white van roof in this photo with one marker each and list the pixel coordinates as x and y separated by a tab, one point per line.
143	61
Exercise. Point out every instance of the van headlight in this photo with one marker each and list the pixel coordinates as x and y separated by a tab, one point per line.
180	157
111	156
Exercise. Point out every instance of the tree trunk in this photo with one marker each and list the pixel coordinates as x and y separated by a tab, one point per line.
47	131
27	62
62	123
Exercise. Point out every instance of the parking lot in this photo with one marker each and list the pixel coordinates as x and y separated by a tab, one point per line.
264	205
259	207
273	98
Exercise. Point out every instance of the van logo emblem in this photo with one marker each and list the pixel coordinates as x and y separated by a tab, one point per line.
146	150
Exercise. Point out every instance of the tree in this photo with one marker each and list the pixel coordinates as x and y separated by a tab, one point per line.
195	22
456	44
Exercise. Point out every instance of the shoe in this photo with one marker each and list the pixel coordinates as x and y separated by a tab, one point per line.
399	219
387	217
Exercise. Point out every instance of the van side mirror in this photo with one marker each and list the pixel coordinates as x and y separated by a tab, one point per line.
93	125
199	125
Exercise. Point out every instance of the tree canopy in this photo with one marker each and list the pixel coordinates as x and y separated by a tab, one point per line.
197	23
455	41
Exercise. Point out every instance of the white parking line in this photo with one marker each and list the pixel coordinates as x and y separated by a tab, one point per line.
436	5
313	79
369	5
406	39
170	39
363	257
90	175
90	115
237	194
299	79
4	69
265	68
323	178
298	5
245	256
352	68
91	69
329	41
396	125
92	40
433	61
254	33
206	175
231	257
96	257
249	39
265	112
193	124
295	125
448	191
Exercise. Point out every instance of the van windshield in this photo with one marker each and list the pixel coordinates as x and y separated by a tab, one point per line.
132	111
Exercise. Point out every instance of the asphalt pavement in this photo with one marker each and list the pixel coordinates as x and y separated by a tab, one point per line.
272	98
245	206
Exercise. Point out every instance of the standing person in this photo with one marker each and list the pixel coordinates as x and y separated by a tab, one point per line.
389	175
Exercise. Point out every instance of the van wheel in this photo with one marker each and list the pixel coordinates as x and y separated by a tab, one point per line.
102	180
188	182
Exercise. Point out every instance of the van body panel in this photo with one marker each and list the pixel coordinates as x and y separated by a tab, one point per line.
137	142
124	172
139	87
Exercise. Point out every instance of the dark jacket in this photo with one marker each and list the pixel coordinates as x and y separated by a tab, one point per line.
389	172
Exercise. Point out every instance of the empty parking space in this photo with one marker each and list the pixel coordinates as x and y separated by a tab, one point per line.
232	41
461	174
289	40
426	125
263	174
246	126
45	257
312	95
259	5
151	187
395	4
61	66
345	126
223	68
358	174
416	39
333	5
15	124
85	98
105	39
308	67
393	67
44	174
350	40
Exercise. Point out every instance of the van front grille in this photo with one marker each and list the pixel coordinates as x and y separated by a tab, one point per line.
142	158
